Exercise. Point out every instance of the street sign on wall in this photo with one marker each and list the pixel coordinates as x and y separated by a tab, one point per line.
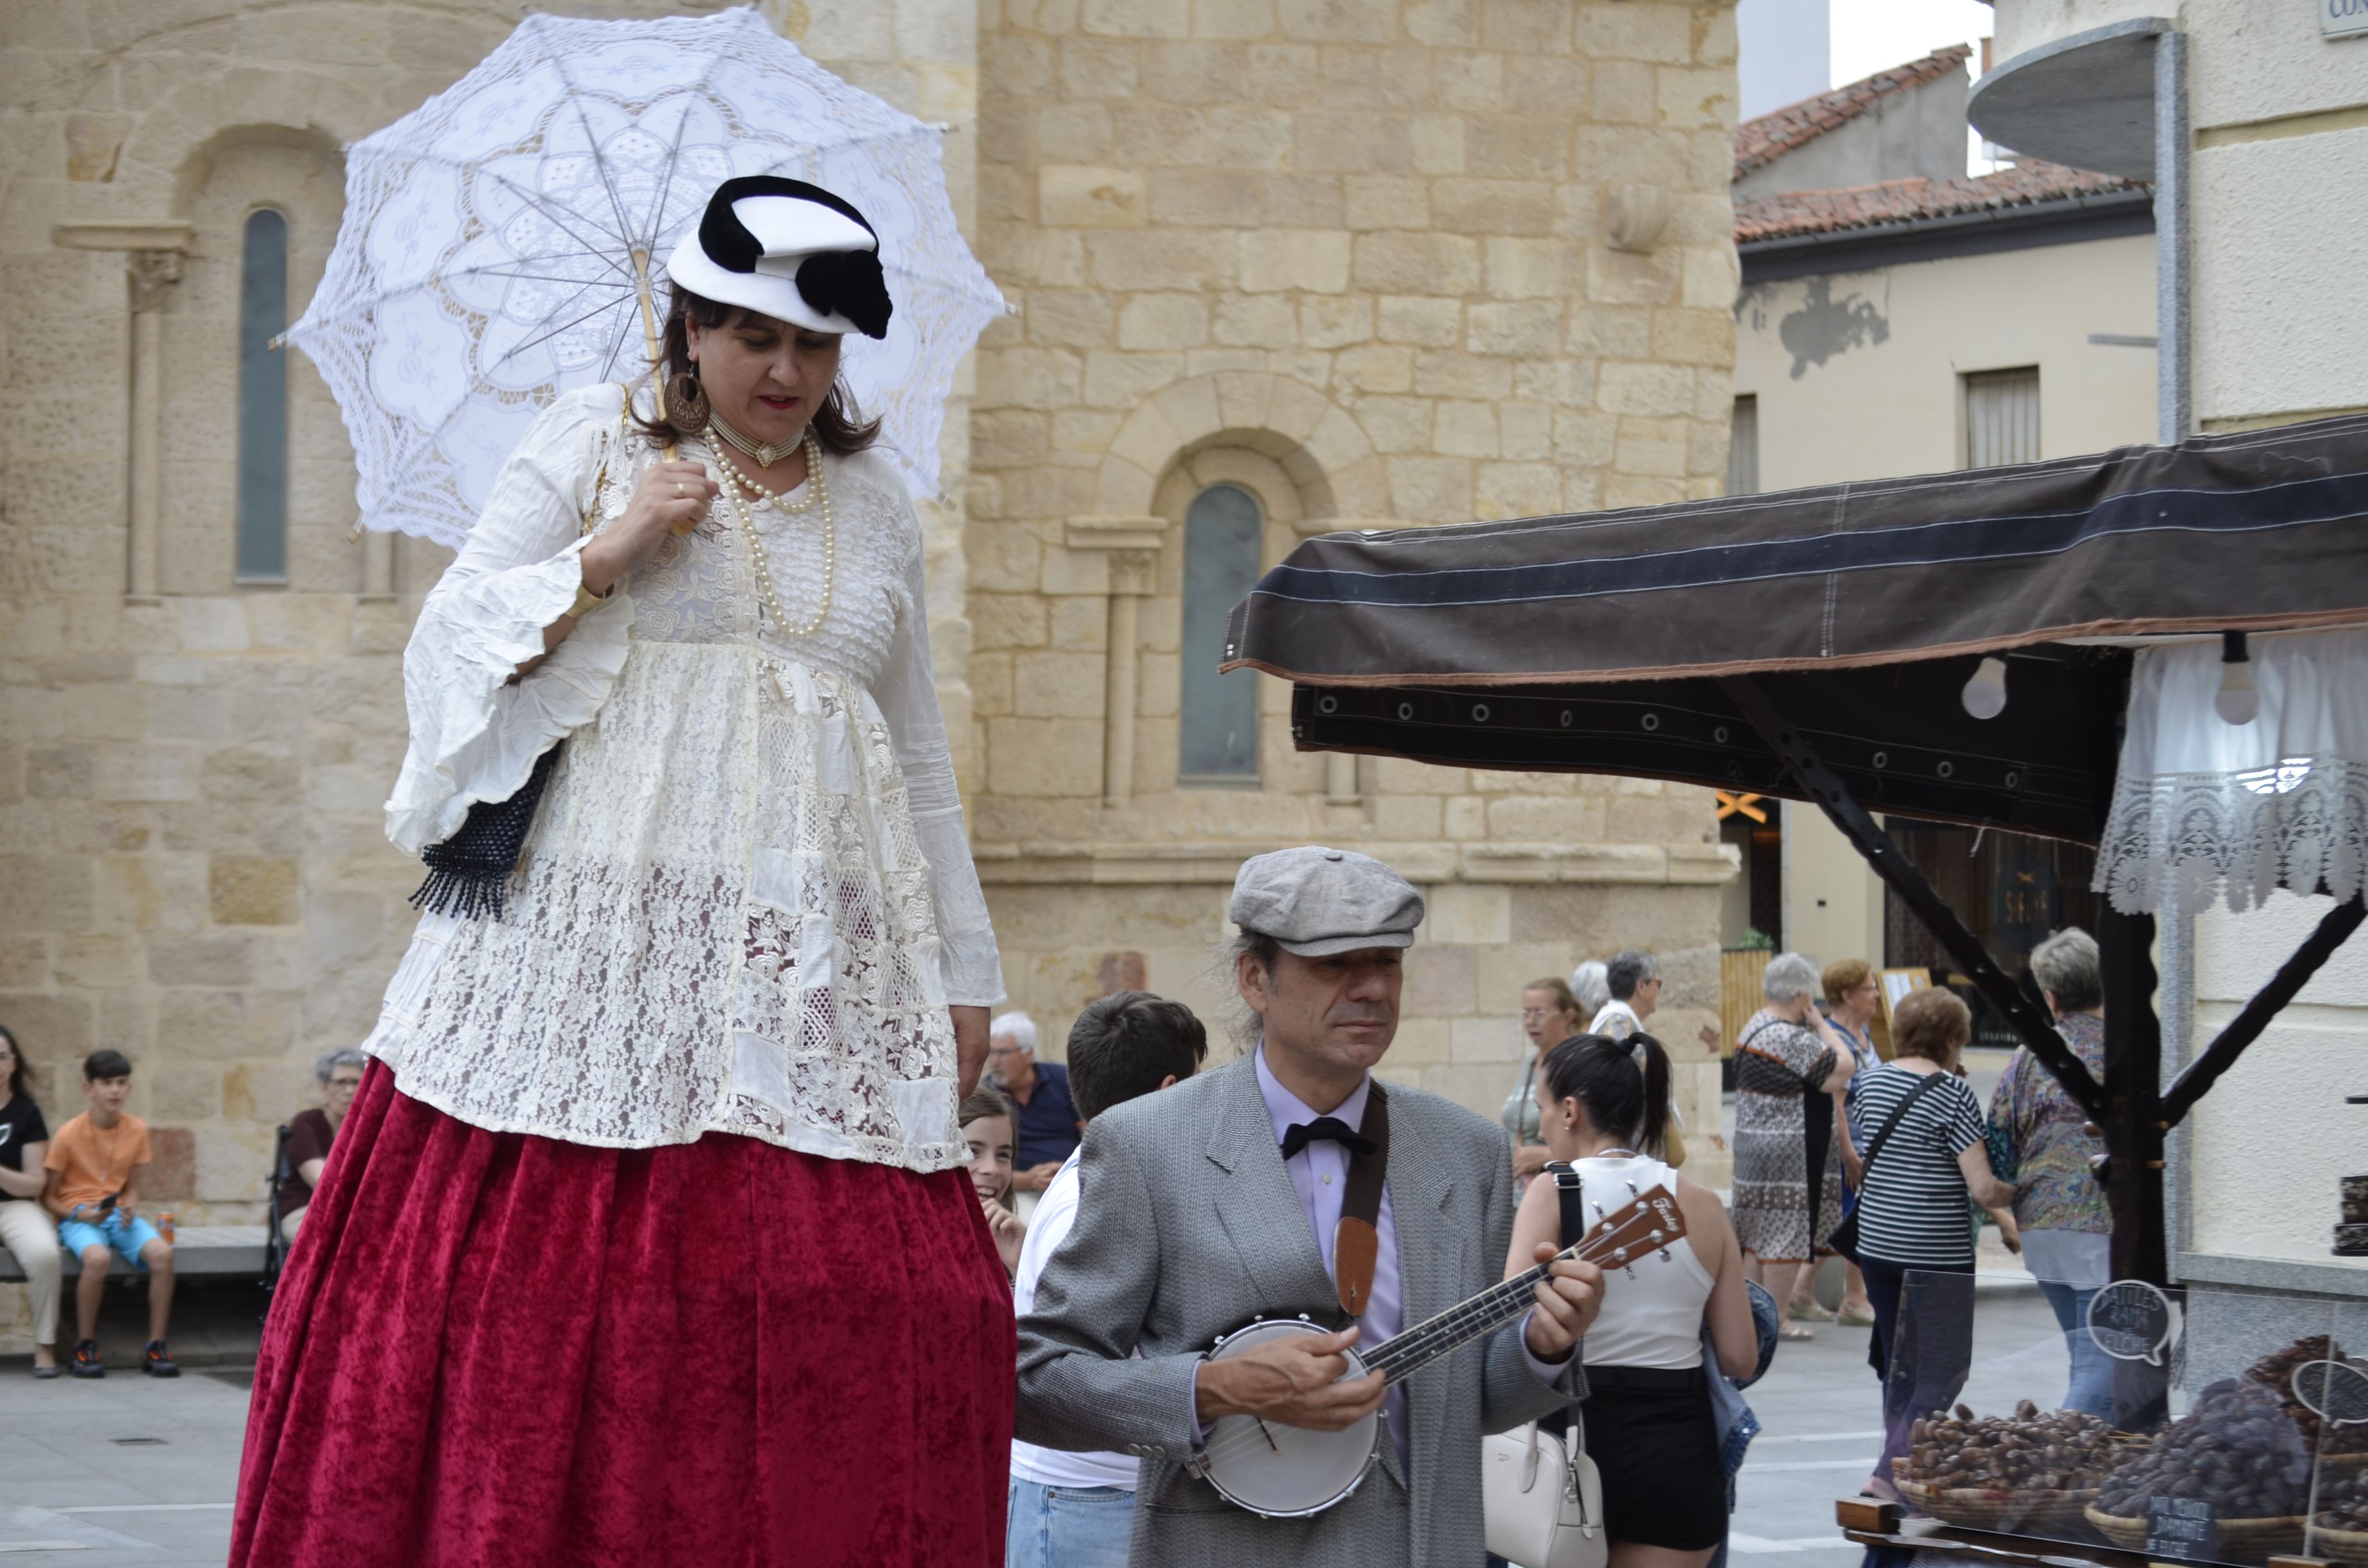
2342	18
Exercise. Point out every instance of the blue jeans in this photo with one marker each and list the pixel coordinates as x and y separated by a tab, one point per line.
2091	1388
1068	1526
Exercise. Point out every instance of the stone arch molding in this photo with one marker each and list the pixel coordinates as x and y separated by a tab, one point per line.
1319	444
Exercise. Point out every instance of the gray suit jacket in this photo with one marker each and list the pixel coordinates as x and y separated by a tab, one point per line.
1188	1228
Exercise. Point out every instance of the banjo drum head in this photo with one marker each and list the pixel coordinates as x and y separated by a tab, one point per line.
1285	1471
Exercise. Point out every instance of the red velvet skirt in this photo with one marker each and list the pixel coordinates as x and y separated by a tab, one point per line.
494	1349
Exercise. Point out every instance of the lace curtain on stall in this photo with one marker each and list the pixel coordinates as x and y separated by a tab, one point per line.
2205	809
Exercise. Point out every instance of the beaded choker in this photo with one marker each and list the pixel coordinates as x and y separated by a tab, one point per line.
766	456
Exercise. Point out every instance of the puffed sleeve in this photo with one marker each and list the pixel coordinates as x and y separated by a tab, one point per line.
475	735
907	695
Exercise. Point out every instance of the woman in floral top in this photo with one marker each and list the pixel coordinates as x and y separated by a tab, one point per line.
2067	1227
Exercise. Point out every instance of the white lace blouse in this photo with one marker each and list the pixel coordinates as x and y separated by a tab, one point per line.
748	897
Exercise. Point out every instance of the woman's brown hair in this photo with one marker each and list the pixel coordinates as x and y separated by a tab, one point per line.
1932	1022
838	425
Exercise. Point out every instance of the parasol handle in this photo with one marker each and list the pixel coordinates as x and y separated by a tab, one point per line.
649	334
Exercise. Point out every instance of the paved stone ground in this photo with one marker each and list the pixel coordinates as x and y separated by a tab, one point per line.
129	1470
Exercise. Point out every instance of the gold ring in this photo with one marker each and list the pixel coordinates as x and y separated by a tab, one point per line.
678	492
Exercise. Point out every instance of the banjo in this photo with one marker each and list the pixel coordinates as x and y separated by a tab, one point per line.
1288	1472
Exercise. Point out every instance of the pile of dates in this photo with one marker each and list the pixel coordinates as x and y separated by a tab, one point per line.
2237	1450
2276	1371
2343	1498
2029	1451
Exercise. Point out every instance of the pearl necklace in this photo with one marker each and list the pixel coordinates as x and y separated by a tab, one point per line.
740	509
766	456
777	499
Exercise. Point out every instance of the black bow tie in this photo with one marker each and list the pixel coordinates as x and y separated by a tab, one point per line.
1300	1134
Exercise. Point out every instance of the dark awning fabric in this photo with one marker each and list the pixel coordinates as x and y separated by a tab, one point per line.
1597	643
2253	531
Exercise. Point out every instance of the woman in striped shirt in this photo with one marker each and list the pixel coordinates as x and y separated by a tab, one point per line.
1915	1245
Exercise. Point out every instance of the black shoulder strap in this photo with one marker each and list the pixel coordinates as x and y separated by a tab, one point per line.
1882	1134
1571	1194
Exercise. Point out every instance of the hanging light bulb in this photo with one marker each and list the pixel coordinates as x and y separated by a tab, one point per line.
1985	695
2238	701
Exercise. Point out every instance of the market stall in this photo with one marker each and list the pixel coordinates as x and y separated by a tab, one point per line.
2147	652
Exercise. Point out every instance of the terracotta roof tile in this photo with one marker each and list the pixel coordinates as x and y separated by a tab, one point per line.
1905	201
1758	143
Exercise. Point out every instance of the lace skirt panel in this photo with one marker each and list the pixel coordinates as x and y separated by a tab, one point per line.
723	922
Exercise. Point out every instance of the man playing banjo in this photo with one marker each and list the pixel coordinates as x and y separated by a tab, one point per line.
1292	1184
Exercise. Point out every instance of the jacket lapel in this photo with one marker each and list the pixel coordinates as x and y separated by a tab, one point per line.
1434	1272
1259	1212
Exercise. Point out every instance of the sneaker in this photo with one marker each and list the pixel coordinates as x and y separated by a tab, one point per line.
87	1363
159	1362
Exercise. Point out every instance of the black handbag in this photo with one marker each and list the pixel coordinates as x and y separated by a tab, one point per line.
1845	1237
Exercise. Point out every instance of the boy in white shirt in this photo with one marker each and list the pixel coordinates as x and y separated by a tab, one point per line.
1076	1510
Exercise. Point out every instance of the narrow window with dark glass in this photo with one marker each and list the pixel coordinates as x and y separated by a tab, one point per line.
1219	743
263	401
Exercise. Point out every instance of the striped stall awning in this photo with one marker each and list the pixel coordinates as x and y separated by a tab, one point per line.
1867	607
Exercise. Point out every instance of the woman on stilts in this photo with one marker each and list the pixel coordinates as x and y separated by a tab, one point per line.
647	1238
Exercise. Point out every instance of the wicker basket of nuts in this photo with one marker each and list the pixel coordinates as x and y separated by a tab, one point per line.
2033	1473
2237	1450
2340	1529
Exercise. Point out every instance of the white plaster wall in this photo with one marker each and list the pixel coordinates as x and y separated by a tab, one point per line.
2251	60
1888	403
2280	226
2024	25
2274	1136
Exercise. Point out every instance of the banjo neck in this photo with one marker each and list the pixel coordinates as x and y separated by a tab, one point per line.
1648	1224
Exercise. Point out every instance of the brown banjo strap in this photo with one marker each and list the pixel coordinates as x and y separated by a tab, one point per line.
1357	1241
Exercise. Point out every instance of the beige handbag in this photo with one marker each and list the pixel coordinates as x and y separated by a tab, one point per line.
1543	1499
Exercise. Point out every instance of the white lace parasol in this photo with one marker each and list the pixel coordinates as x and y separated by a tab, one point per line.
500	240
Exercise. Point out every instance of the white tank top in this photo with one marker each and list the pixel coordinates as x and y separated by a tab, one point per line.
1652	1312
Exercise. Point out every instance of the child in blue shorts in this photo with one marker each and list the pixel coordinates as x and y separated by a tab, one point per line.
95	1164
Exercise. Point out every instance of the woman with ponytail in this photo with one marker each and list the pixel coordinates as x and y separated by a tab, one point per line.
1648	1416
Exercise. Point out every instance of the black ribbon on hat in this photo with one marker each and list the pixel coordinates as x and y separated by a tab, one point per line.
1300	1134
836	283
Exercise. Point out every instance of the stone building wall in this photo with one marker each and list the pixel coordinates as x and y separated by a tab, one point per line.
1350	254
1378	264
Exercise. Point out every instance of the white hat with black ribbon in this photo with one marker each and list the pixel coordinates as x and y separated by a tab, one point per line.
786	249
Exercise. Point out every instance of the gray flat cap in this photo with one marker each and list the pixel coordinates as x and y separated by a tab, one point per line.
1317	901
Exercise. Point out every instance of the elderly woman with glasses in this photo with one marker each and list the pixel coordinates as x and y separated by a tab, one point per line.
1788	1190
335	1078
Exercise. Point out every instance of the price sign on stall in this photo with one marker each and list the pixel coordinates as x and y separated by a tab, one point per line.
2131	1320
2335	1392
2181	1526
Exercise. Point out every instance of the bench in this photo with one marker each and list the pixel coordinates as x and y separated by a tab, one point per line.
197	1251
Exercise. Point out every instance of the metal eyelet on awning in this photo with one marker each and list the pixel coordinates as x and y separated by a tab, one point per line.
1479	712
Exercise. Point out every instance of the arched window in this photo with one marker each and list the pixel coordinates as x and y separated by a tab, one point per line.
263	401
1219	740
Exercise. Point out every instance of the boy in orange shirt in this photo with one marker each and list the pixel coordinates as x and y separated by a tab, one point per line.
94	1167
